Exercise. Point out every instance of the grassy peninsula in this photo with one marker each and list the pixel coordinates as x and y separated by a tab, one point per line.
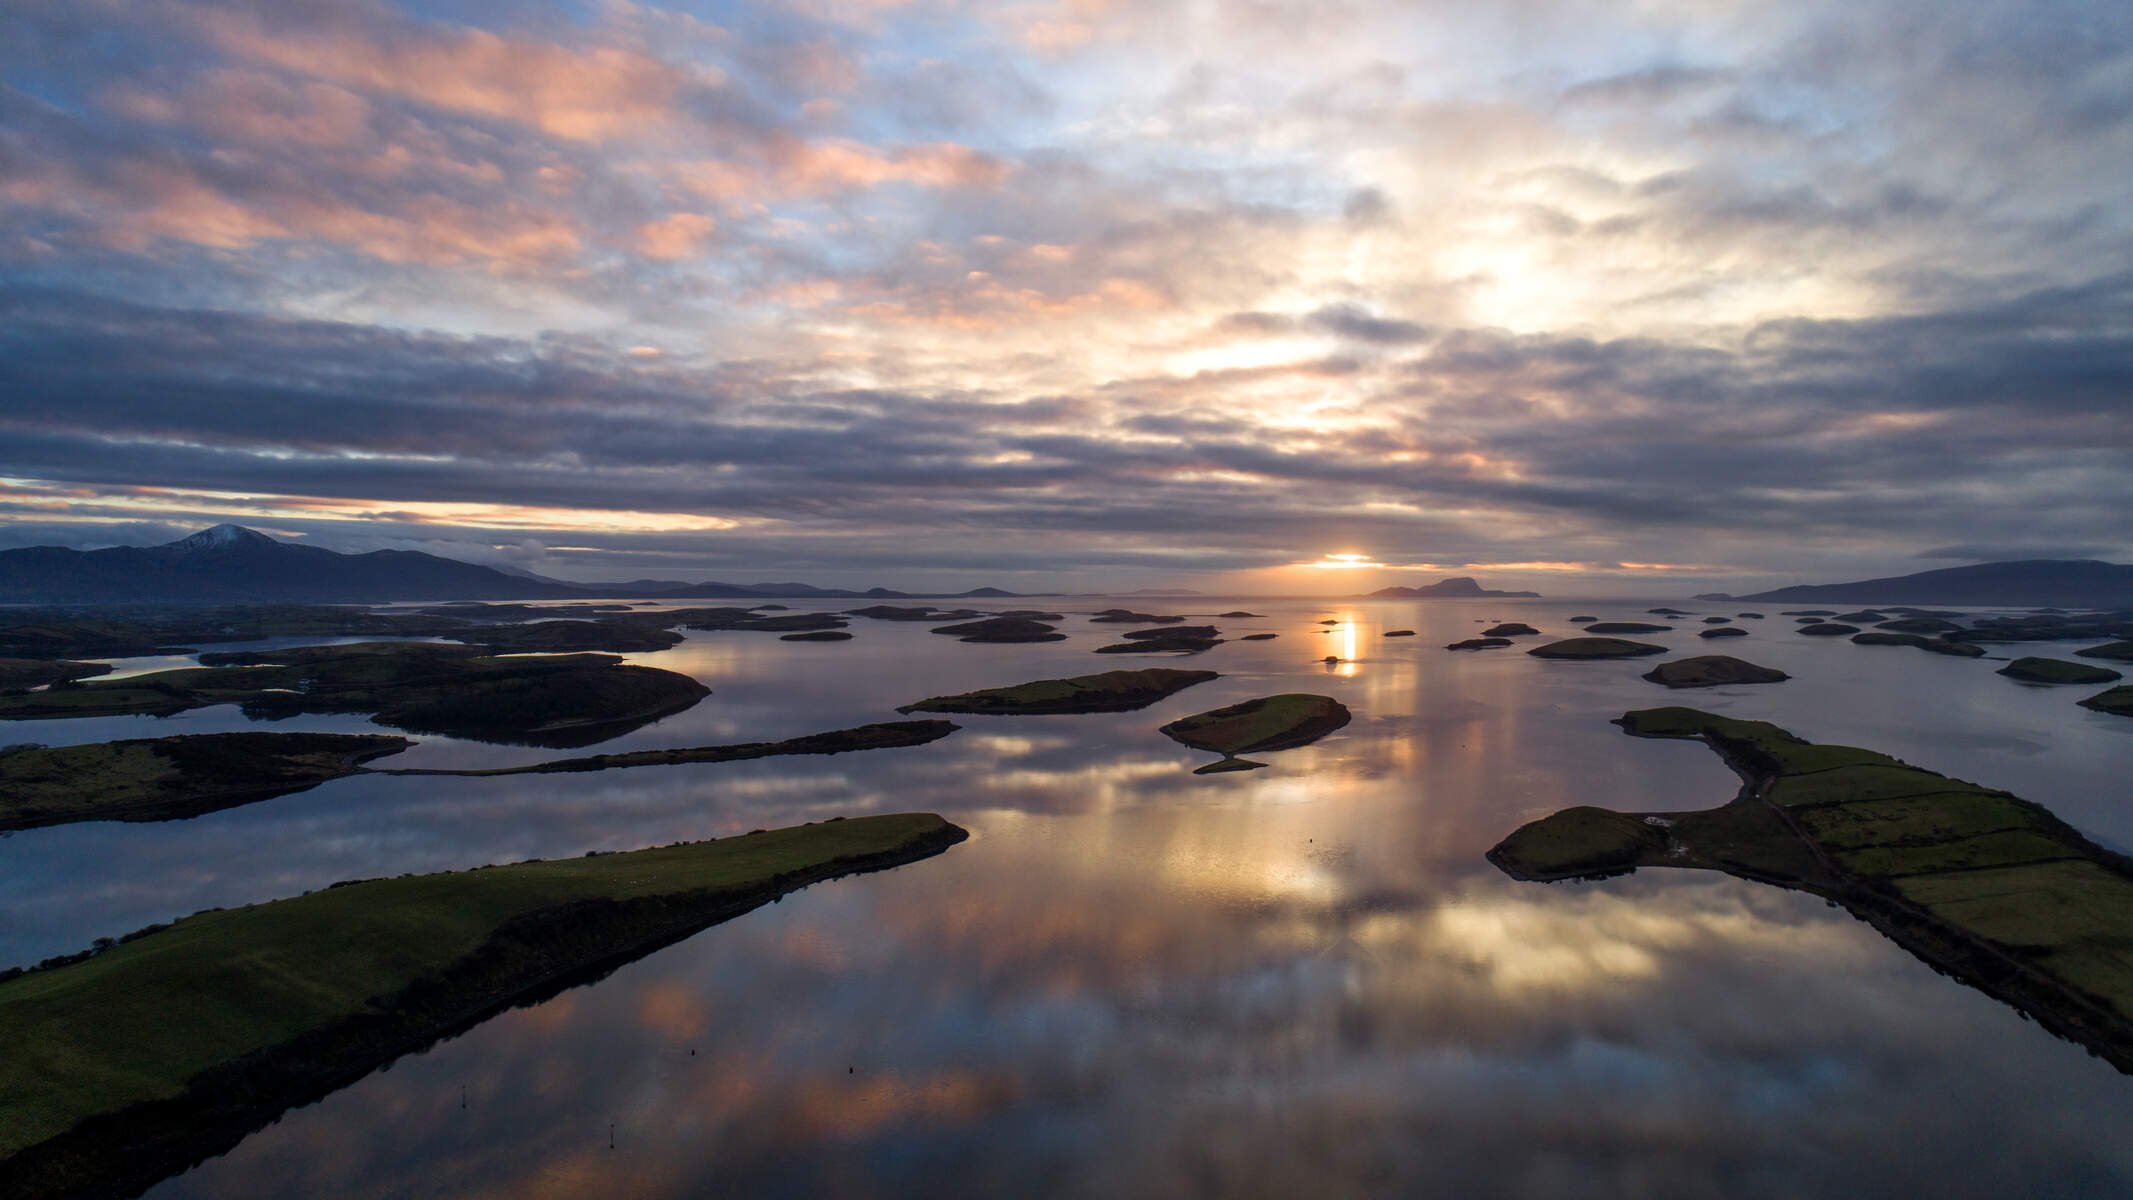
159	779
1981	884
169	1046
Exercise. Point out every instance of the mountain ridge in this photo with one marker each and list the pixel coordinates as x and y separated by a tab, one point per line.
2017	583
227	564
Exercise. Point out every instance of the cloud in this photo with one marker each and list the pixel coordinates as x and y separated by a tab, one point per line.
1497	284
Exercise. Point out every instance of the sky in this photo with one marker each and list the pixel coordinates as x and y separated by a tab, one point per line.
1641	296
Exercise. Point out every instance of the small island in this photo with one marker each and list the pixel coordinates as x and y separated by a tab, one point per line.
2057	671
1934	644
1479	643
1984	886
1003	630
1268	723
1595	648
1111	691
1510	629
1712	670
1723	631
172	1044
1626	627
2118	701
2116	651
1827	629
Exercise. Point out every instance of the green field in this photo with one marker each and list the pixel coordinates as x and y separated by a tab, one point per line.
155	779
1987	886
232	1008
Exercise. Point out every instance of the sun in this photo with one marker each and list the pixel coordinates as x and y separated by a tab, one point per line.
1342	562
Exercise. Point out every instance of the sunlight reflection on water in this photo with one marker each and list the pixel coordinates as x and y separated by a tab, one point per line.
1136	981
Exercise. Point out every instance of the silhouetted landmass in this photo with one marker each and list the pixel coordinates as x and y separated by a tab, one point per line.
886	735
1712	670
158	779
37	672
1827	629
1626	627
2118	701
2076	583
1722	631
230	564
422	687
1460	587
1003	629
1938	645
2053	670
1110	691
128	1064
1984	886
1479	643
2120	651
1595	647
1126	616
1510	629
1269	723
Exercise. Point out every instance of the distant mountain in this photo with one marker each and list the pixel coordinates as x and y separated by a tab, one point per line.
1458	588
230	564
2069	583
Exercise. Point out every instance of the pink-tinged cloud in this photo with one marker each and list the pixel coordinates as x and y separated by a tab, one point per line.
674	237
594	93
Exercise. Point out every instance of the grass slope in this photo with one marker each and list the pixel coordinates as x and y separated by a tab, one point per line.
125	1065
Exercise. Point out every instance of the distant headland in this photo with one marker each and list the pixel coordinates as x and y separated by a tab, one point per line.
1458	588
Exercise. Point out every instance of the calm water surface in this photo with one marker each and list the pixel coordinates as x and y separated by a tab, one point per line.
1133	981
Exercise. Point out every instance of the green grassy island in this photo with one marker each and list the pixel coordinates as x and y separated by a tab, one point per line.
423	687
1111	691
1281	722
1983	885
159	779
2117	651
1595	647
171	1045
2055	670
1712	670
